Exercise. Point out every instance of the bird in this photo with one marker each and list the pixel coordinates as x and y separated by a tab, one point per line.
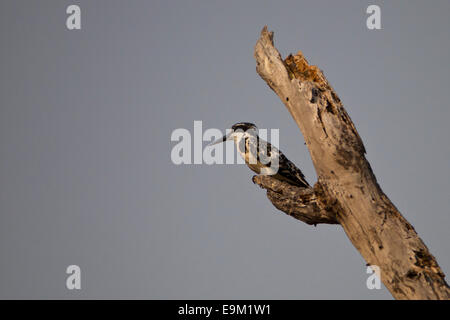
262	157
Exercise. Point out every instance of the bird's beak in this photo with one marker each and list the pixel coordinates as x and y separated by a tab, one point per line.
223	139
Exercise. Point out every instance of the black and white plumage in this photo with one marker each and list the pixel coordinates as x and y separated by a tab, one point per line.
261	157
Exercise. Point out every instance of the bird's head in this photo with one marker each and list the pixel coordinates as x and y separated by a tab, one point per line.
238	131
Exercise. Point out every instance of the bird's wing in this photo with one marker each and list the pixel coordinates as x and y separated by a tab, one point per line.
286	168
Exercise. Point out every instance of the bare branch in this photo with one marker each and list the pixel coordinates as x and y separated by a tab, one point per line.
299	203
345	179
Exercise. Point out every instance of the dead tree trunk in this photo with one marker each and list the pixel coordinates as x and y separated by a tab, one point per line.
347	192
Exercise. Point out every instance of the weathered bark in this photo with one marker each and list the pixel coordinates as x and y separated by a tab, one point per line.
347	191
300	203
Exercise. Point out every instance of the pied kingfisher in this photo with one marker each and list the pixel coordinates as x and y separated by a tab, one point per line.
261	157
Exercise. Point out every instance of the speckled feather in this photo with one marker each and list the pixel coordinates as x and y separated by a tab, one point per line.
287	171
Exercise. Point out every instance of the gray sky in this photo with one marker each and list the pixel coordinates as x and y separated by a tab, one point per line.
86	118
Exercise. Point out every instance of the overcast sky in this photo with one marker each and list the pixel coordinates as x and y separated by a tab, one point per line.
87	115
